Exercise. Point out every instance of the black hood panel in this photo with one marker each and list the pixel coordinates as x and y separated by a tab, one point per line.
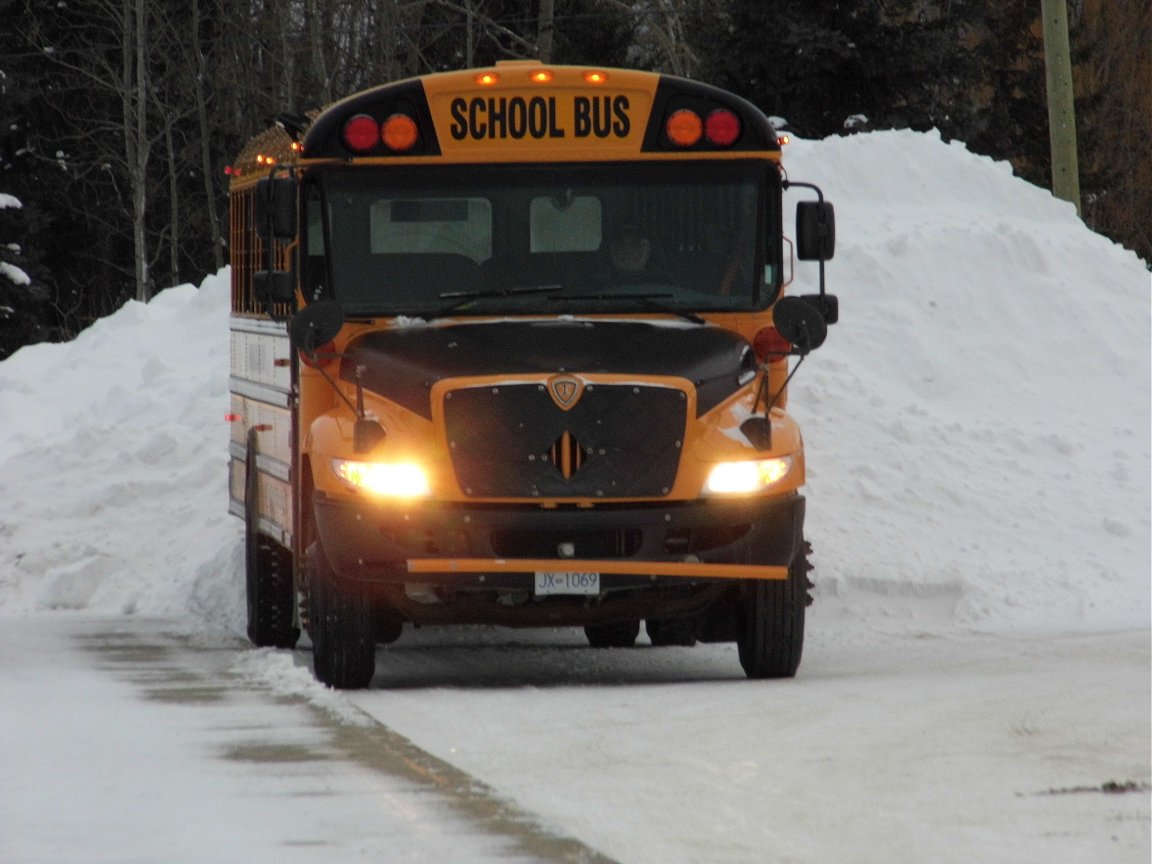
403	364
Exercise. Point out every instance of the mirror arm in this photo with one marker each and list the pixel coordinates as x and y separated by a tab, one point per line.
758	429
784	386
359	391
331	383
366	433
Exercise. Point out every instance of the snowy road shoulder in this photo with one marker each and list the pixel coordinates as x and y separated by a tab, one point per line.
125	741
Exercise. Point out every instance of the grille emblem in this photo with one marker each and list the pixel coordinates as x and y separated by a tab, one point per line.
565	391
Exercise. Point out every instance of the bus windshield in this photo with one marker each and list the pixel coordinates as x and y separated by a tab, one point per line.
599	238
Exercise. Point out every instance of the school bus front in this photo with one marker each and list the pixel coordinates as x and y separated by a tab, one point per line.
540	363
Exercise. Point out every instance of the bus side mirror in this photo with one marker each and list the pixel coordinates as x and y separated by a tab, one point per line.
801	323
828	305
276	208
315	325
275	217
815	231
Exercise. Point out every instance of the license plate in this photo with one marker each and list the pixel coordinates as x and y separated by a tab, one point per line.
566	582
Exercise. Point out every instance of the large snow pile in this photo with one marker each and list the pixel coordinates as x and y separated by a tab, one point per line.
113	465
977	424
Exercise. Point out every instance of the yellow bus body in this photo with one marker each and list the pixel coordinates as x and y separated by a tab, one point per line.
297	413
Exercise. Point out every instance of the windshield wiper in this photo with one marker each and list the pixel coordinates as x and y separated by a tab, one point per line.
463	298
648	300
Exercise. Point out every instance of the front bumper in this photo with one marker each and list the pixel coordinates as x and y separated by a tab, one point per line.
499	547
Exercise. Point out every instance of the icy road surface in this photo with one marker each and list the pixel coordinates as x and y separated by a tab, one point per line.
123	740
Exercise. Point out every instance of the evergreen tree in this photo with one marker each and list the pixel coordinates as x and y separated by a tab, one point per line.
24	308
217	72
821	64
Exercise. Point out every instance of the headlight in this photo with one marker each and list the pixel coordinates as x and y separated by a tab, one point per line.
383	479
735	478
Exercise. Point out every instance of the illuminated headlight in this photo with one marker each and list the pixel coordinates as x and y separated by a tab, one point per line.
756	475
383	479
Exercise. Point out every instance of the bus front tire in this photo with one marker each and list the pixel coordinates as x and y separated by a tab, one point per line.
771	636
342	628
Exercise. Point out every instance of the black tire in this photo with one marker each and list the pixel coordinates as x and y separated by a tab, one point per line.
271	594
621	634
342	625
771	639
671	631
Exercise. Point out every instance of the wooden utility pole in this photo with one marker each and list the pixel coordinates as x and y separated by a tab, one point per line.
1061	105
547	22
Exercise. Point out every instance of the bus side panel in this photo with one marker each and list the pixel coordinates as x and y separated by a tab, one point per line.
261	396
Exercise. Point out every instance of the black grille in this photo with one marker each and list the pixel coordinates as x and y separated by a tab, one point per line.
603	543
617	441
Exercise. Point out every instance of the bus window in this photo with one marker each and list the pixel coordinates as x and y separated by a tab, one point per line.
458	226
565	222
401	239
315	261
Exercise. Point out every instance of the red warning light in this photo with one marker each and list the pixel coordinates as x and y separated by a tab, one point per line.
722	127
770	345
361	133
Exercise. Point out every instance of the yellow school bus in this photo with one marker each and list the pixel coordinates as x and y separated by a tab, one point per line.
510	346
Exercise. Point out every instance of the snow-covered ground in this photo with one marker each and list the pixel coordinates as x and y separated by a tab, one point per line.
977	669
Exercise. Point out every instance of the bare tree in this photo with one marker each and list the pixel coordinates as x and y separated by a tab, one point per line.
547	25
199	76
662	33
109	52
317	23
1113	78
133	95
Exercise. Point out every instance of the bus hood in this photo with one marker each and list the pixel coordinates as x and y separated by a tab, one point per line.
402	364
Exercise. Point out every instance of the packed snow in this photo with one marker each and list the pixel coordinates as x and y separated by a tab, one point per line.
978	447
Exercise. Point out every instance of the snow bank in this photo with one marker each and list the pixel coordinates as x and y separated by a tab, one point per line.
977	424
113	463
